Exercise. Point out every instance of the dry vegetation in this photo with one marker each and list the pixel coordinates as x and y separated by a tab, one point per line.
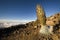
29	31
32	30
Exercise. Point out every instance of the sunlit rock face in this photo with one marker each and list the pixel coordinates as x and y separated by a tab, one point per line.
53	20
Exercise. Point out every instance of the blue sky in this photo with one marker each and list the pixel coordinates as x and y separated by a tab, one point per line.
26	9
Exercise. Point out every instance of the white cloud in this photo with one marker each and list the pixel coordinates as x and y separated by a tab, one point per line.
4	23
13	20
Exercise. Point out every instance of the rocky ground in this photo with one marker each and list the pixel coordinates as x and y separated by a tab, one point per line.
30	31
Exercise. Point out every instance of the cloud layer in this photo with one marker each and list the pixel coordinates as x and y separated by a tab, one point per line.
7	23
